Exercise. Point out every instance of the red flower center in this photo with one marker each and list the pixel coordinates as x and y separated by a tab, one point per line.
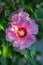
21	32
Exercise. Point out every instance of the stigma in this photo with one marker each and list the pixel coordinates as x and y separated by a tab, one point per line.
21	32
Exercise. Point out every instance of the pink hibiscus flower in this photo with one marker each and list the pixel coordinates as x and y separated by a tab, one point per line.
22	30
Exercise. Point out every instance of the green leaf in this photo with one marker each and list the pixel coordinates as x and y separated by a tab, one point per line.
40	24
5	49
26	55
2	35
40	13
33	50
2	20
27	7
1	27
6	11
3	61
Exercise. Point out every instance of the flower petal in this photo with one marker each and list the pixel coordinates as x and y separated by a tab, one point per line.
30	40
32	26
